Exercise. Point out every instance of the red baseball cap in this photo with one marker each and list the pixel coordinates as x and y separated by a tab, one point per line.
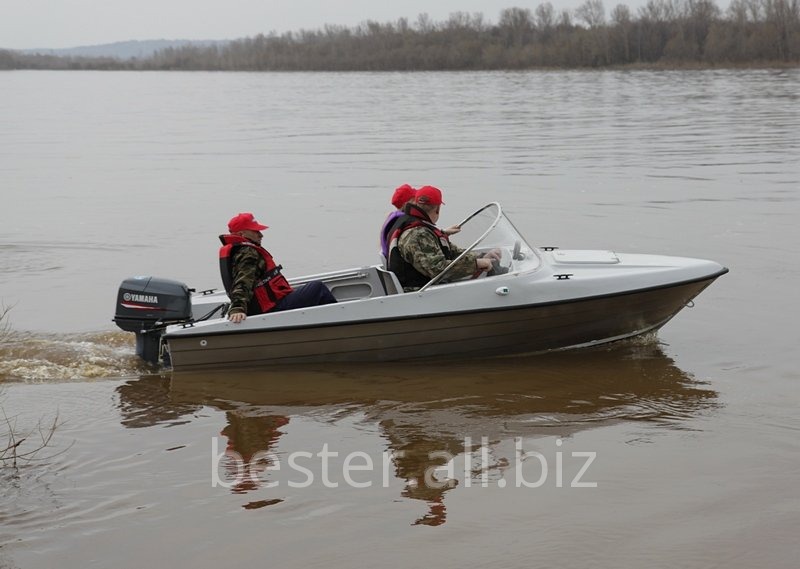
244	221
403	194
429	195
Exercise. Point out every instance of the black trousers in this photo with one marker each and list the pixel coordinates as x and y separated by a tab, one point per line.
310	294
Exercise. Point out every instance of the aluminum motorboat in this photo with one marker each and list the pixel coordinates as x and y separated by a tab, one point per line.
537	299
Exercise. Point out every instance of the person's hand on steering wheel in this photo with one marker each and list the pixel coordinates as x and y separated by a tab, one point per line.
484	264
495	254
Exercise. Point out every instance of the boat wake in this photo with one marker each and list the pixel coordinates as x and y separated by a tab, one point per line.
33	357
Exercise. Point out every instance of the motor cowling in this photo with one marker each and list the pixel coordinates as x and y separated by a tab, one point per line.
146	305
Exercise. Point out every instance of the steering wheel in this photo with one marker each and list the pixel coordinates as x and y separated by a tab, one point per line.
497	269
517	254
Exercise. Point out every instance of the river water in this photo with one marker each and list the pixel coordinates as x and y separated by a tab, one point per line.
675	450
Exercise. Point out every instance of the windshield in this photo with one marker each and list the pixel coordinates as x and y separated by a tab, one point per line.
489	230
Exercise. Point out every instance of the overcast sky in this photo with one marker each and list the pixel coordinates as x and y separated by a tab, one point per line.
71	23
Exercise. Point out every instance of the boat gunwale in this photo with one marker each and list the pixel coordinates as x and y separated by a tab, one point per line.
192	334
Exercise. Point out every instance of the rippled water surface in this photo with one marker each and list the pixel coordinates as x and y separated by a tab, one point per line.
693	434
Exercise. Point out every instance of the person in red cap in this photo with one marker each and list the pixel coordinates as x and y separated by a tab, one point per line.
401	196
418	250
253	280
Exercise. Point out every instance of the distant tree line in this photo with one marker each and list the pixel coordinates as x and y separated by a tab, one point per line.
663	32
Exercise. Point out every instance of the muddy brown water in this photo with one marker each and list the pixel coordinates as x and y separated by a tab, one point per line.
673	450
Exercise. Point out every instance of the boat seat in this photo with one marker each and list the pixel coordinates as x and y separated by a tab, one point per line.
389	281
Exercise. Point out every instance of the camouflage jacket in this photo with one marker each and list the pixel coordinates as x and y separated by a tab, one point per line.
249	268
419	246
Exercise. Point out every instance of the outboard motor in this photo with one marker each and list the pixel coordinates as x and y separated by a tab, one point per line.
146	306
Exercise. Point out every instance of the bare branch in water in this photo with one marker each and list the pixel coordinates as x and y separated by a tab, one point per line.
23	445
5	325
15	449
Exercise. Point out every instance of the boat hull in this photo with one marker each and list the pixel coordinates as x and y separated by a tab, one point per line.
467	334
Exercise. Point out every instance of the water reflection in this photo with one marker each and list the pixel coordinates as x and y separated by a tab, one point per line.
424	409
248	437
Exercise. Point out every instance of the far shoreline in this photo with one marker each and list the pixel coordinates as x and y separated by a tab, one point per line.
684	66
663	35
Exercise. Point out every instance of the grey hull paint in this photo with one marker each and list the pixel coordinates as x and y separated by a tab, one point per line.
535	328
